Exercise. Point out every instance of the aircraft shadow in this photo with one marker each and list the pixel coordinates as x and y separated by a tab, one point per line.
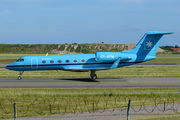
86	79
77	79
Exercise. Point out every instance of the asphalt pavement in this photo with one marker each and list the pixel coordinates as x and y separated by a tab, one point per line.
87	82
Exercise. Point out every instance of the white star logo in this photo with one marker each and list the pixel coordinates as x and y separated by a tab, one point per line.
149	44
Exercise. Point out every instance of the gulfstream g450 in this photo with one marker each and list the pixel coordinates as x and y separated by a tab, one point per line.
145	50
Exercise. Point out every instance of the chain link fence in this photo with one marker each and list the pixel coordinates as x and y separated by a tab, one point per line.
88	108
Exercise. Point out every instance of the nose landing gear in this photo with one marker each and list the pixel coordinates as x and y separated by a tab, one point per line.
93	75
20	75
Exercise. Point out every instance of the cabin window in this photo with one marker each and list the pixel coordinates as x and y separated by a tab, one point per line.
51	61
43	61
74	61
59	61
67	61
83	60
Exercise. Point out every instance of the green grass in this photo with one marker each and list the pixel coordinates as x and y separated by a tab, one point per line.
165	59
149	71
43	92
39	101
173	116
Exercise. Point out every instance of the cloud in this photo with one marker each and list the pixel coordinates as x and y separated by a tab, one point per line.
5	12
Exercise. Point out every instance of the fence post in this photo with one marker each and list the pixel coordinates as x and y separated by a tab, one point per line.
15	112
50	108
93	107
164	106
128	110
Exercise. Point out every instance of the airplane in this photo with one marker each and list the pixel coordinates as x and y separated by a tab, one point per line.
145	50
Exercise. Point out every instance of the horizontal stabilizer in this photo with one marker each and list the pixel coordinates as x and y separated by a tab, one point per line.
158	32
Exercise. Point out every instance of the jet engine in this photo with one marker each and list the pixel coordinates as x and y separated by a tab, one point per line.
109	56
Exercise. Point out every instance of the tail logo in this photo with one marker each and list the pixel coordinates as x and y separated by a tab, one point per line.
149	44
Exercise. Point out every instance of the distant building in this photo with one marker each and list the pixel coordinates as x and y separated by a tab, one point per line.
176	49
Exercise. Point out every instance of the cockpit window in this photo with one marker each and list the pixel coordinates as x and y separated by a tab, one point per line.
20	60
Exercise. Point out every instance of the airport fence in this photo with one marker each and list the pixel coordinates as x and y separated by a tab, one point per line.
106	108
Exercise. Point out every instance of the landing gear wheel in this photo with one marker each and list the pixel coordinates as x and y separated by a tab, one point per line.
95	76
20	75
19	78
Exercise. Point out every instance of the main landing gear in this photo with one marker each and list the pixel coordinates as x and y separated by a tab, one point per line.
20	75
93	75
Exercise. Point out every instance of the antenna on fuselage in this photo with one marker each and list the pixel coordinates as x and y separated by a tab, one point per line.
47	54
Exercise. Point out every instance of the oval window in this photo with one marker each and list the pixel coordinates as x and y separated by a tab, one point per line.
83	60
51	61
74	61
59	61
67	61
43	61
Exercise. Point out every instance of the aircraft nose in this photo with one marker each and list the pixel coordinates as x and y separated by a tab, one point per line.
7	67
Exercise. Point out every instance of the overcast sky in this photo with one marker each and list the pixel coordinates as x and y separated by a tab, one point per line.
87	21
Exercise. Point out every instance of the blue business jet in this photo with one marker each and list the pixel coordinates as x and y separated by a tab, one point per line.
145	50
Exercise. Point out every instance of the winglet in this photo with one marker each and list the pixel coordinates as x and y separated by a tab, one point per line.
115	64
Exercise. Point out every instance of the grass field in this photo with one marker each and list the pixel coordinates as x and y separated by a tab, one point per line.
173	116
40	101
161	58
148	71
35	97
165	59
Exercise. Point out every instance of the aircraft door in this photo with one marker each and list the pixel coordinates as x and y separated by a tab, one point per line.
34	63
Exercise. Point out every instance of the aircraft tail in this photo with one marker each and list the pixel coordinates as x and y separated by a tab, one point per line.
149	44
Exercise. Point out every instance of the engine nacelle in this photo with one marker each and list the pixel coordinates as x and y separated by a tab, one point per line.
109	56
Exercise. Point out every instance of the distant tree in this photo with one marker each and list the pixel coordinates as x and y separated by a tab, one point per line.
62	47
68	48
72	49
176	46
78	49
166	47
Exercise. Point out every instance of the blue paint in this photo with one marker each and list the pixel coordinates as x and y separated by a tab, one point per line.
145	50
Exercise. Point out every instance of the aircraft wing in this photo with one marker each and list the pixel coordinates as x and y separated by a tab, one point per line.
93	68
114	65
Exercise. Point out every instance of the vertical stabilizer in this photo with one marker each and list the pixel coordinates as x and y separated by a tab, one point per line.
149	44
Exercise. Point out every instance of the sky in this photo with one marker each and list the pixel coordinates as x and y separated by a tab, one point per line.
87	21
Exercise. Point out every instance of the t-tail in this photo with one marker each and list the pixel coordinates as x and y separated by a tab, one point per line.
147	47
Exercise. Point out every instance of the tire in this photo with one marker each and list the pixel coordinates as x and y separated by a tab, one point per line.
95	76
19	78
